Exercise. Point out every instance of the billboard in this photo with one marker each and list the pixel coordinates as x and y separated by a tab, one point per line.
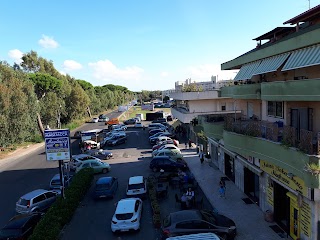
57	144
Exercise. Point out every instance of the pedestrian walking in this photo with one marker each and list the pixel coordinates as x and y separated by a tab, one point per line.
201	157
222	188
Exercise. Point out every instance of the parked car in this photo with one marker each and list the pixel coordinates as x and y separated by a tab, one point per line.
20	226
94	120
164	142
198	221
111	136
138	125
117	141
127	215
130	121
155	131
167	146
156	126
119	127
166	163
55	182
93	144
36	201
137	187
105	187
160	138
156	135
174	154
198	236
79	158
97	165
103	118
100	153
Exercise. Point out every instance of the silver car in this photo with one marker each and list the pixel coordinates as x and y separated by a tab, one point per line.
36	201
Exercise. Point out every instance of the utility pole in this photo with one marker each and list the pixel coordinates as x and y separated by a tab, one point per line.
309	4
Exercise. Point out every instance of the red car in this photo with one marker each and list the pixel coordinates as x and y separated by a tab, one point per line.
175	142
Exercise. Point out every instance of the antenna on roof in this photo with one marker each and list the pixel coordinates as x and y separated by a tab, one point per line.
309	3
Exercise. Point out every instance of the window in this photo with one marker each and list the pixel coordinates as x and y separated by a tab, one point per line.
86	165
50	194
275	109
40	198
136	207
95	164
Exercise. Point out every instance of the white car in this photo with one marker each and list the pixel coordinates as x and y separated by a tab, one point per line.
77	159
119	127
137	187
167	146
138	125
95	120
127	215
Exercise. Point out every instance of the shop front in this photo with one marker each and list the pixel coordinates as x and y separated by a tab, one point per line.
288	196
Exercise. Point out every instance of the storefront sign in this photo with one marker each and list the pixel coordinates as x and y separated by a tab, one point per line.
294	182
305	224
270	195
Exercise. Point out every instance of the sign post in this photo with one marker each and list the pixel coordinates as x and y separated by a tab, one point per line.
57	144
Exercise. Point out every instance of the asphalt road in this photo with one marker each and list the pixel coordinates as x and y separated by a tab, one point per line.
24	174
92	219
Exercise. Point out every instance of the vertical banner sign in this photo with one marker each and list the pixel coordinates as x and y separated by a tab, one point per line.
57	144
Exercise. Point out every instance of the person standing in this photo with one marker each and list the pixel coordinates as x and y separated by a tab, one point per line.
222	188
190	143
201	157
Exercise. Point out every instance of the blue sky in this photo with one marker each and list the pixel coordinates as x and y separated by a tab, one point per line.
142	45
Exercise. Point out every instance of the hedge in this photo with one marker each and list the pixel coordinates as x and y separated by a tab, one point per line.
61	212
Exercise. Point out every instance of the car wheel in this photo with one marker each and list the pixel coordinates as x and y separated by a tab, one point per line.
104	170
154	169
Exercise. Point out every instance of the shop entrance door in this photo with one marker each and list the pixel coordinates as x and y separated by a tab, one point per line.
251	185
229	167
281	207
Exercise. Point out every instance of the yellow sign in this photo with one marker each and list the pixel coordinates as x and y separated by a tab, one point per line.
295	183
305	222
270	195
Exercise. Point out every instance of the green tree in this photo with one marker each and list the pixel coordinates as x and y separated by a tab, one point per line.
44	83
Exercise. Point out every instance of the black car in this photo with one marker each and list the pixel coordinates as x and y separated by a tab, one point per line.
117	140
20	226
154	131
198	221
130	121
169	118
77	135
159	120
153	139
166	163
100	153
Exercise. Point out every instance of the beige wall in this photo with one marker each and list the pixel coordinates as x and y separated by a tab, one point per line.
210	105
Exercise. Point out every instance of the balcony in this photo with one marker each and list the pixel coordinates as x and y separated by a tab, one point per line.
273	142
212	125
245	91
293	90
185	116
195	95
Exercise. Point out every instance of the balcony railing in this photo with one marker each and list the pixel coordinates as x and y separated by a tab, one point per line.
304	140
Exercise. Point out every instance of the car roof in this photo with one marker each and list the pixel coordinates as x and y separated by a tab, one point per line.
81	156
104	180
126	205
34	193
56	177
19	220
180	216
136	180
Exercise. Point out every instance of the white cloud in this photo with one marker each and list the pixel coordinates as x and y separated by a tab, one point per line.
71	65
105	70
205	71
164	74
16	55
63	73
48	42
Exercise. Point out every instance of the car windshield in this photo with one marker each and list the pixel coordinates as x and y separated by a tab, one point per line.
103	186
124	216
209	217
23	202
136	186
56	183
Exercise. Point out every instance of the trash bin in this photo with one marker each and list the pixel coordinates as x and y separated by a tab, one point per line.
268	216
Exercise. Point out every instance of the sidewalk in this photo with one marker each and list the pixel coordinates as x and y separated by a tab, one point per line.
249	218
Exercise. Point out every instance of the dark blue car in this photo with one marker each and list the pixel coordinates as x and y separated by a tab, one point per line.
167	164
105	187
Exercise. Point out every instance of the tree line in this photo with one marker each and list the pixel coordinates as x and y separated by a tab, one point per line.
34	94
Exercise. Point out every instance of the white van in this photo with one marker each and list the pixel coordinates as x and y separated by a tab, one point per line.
197	236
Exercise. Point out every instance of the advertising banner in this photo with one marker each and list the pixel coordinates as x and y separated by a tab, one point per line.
57	144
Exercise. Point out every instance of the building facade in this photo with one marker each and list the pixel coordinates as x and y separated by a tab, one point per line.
263	132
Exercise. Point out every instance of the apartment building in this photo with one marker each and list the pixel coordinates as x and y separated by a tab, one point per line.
264	132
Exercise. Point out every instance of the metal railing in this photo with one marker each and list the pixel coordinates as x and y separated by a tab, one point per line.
304	140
